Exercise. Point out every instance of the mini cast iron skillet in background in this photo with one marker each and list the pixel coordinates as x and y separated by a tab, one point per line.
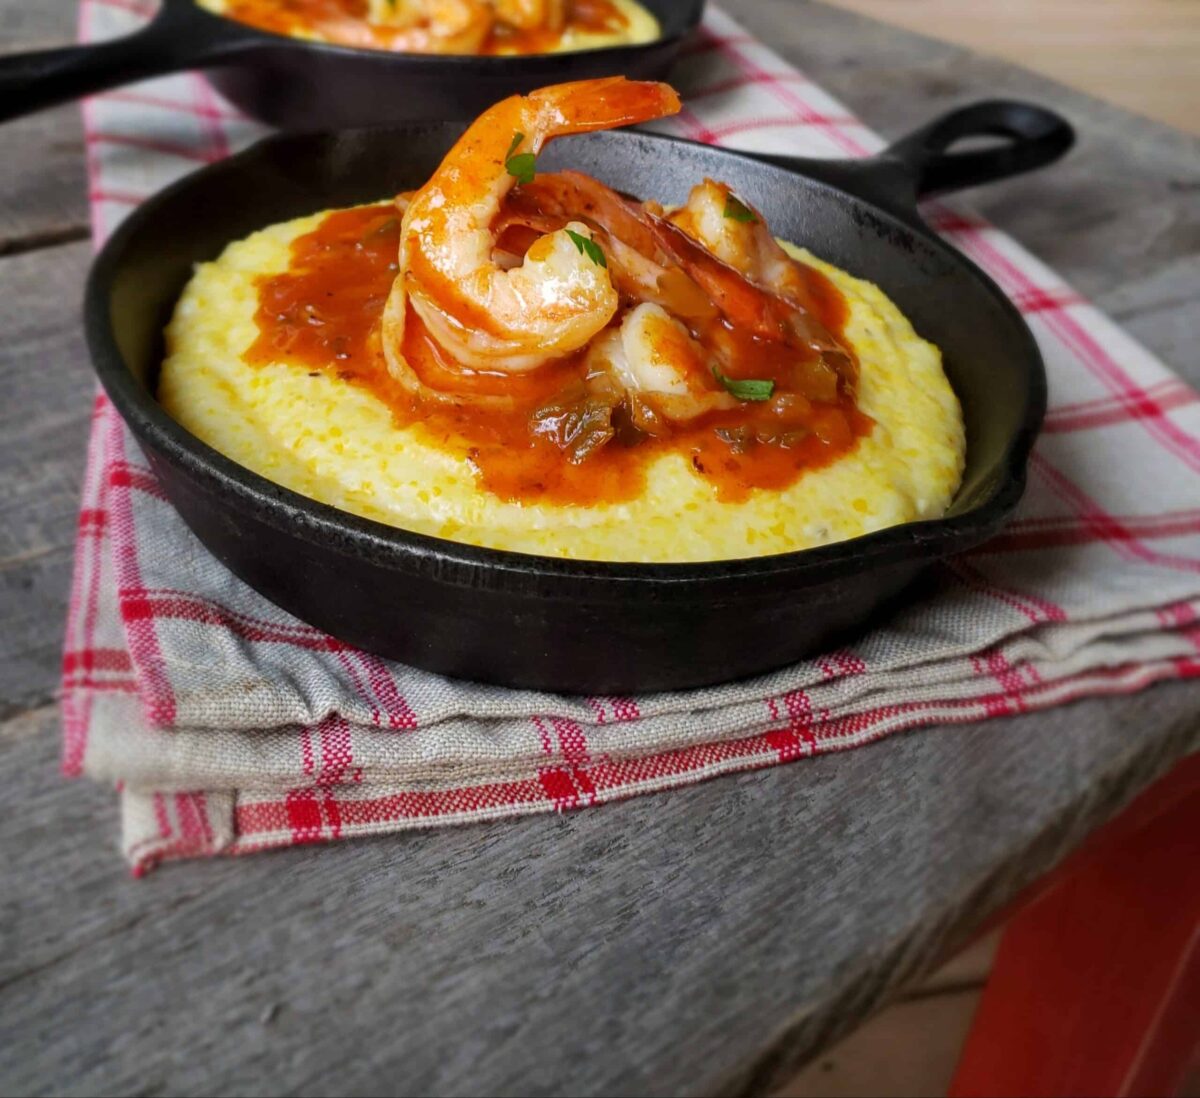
574	625
297	84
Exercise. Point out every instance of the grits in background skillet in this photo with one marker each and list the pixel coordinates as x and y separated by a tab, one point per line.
497	27
262	366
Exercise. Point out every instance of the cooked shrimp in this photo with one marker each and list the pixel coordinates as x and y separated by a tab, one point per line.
532	14
538	208
741	242
396	13
523	14
660	360
415	26
746	244
745	303
655	261
653	357
484	315
658	353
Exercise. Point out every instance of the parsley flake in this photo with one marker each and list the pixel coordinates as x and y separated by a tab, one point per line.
737	210
522	166
589	248
748	389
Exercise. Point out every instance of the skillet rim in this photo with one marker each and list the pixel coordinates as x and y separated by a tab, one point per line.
253	37
457	562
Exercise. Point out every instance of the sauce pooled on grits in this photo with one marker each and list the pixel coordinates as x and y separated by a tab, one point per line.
324	313
534	361
450	26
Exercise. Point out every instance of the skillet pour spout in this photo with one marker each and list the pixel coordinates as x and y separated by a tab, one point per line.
582	626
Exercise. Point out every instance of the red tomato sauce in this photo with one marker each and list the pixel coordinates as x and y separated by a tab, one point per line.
345	22
324	313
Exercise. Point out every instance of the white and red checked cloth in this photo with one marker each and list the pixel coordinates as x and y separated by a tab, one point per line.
230	726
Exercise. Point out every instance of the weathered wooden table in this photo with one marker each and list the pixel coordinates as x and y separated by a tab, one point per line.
699	942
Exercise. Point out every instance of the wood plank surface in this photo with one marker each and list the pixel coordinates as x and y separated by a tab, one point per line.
693	946
36	24
44	417
43	180
700	942
1119	217
1140	54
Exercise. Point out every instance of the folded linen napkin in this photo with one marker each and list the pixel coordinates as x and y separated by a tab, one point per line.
230	726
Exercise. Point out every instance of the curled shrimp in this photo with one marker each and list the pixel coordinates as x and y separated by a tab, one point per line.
657	261
449	16
746	244
532	14
655	357
754	308
414	26
397	13
490	316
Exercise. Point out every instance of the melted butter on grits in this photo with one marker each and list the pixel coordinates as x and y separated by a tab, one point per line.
340	444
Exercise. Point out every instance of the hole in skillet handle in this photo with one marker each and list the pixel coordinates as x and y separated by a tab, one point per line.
1033	137
1023	137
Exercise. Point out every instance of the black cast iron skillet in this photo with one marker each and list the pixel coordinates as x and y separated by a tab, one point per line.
579	626
296	84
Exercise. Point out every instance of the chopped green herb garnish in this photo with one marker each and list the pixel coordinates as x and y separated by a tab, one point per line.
737	210
523	166
589	248
746	388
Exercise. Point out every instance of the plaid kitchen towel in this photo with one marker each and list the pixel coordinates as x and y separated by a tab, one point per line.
229	726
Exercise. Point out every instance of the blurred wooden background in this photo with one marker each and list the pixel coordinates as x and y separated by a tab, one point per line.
1141	54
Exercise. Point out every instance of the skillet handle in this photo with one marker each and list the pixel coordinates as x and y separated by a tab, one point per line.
33	81
1035	137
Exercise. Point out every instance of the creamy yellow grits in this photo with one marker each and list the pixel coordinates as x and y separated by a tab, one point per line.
339	444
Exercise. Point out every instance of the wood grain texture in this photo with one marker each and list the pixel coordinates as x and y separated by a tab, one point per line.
1118	218
1140	54
644	949
39	25
701	942
43	181
43	430
909	1051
